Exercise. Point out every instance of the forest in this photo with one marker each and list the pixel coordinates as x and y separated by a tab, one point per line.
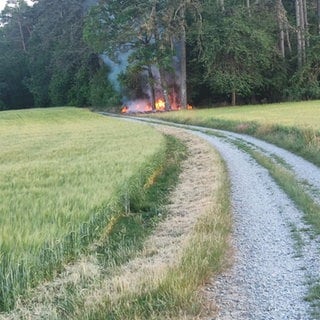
104	53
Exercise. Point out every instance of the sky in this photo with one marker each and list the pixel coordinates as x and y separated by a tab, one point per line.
3	3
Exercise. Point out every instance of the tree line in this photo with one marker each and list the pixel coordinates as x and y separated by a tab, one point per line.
207	52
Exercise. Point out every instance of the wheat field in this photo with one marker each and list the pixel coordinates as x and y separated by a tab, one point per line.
62	171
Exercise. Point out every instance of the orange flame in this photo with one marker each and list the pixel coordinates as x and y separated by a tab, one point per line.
143	105
125	109
160	105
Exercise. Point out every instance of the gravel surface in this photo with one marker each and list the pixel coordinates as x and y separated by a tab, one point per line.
305	171
269	276
275	255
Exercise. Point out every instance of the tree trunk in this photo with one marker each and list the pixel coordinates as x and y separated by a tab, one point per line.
300	45
305	22
163	83
248	7
152	91
23	43
164	90
233	98
281	27
318	15
183	85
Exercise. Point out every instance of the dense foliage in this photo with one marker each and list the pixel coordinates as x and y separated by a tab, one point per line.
233	51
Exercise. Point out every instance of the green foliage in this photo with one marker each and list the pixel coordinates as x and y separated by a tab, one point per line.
232	49
305	83
238	51
101	92
13	71
44	60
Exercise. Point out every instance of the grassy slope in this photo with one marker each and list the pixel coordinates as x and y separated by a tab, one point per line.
62	171
294	126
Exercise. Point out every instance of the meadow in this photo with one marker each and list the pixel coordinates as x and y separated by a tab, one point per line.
64	173
291	125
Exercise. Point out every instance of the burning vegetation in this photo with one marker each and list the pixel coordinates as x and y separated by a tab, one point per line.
144	106
159	105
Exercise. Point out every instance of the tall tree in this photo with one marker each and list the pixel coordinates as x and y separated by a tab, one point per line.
14	41
154	32
318	16
302	30
237	52
283	26
117	27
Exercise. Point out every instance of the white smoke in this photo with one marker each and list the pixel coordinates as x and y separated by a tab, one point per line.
116	68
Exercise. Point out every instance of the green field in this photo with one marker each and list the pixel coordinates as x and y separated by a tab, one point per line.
63	171
291	114
294	126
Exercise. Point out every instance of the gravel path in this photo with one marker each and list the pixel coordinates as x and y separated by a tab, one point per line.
275	256
268	277
305	171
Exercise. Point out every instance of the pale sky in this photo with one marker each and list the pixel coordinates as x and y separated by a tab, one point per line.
3	3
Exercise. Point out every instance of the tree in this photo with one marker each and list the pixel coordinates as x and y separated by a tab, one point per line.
283	26
153	31
237	51
14	37
117	27
60	62
302	30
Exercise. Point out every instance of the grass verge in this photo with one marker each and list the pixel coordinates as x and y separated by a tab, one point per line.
126	235
174	293
295	127
314	298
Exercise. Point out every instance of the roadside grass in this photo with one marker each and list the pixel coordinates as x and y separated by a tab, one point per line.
294	126
125	237
65	173
314	298
174	294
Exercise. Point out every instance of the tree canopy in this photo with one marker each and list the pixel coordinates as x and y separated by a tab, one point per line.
206	52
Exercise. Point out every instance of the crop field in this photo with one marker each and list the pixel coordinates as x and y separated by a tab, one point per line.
291	114
293	125
63	172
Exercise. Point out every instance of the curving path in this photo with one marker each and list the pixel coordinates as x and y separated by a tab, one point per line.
268	279
271	271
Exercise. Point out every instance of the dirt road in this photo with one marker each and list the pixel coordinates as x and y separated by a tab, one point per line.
276	255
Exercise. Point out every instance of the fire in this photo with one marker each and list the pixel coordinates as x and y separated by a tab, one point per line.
160	105
144	105
125	109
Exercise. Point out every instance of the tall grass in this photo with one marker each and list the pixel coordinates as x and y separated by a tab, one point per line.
174	295
293	126
64	173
